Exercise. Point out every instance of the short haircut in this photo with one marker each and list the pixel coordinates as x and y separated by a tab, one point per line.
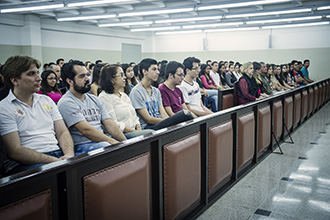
188	63
59	60
214	63
256	66
305	61
68	71
107	74
145	64
51	67
87	62
299	62
171	68
208	61
98	61
15	66
131	63
293	62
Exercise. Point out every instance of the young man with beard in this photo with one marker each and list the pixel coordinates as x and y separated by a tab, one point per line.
83	113
31	126
190	88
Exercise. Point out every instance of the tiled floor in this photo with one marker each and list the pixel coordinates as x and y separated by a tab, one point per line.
295	185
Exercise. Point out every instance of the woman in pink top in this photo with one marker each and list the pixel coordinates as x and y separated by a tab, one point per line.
207	80
49	85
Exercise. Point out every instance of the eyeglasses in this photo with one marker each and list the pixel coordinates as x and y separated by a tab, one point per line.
196	68
180	75
121	75
52	78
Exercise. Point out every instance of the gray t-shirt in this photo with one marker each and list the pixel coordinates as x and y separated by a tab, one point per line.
140	99
74	110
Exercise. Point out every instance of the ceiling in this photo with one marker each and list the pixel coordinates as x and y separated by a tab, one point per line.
161	16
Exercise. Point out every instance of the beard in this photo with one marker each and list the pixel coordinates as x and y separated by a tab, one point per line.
82	89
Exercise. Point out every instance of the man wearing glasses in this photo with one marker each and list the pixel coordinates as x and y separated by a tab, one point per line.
173	100
147	100
83	113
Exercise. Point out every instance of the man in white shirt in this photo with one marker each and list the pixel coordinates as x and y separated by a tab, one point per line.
190	88
214	73
31	127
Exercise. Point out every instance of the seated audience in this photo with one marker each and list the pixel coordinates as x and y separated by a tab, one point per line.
247	88
83	113
230	77
57	70
304	71
256	75
237	70
265	84
214	74
95	87
287	77
297	74
280	78
210	87
274	84
207	96
59	62
222	74
117	103
172	97
31	126
137	72
190	88
49	85
147	100
129	77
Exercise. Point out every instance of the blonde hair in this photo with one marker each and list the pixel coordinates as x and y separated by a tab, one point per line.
246	66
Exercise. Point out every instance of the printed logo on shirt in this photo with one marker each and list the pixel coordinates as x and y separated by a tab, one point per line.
20	113
193	92
91	114
153	108
47	107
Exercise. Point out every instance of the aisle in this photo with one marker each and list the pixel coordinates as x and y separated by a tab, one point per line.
295	185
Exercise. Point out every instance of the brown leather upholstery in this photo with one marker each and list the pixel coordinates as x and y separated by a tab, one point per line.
245	138
34	207
220	153
278	118
121	191
327	91
288	112
182	175
310	100
297	108
227	101
316	97
264	128
304	104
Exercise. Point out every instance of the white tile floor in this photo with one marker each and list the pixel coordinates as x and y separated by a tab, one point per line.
306	192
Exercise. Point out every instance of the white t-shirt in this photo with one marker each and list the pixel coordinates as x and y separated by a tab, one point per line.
215	77
191	95
120	110
35	125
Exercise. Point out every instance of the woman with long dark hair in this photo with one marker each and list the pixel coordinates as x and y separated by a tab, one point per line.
118	103
49	85
209	86
131	81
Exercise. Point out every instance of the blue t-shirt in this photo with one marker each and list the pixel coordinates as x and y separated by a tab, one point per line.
304	72
141	99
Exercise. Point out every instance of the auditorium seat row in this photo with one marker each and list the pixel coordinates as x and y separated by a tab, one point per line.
174	173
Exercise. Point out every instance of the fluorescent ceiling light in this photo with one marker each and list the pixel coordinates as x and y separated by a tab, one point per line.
86	17
156	29
188	19
328	16
85	3
270	13
296	25
323	8
152	12
284	20
178	32
233	29
240	4
32	8
118	24
212	25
